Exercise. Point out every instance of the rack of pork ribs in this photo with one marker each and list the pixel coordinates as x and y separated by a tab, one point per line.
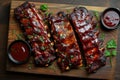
32	25
84	26
68	52
75	41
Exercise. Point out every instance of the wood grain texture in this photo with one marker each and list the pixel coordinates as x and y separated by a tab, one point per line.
106	72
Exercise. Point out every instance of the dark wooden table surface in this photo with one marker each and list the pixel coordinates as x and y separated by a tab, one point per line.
4	22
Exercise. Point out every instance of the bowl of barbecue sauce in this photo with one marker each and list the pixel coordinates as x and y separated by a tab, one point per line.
110	18
19	51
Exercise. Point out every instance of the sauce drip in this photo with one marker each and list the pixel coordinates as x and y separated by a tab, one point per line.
19	51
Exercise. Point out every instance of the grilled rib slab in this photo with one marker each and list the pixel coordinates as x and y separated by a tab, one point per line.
84	26
68	52
34	30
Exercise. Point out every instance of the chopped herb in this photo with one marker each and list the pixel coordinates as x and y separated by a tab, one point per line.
111	44
44	7
41	39
68	11
70	64
42	48
102	36
71	56
30	66
30	36
97	26
37	30
19	36
107	53
29	26
114	53
63	60
96	13
47	13
48	61
53	67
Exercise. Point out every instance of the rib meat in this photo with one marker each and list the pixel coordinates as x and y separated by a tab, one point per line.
34	30
68	52
84	26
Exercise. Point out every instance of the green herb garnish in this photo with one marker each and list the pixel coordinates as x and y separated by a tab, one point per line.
53	67
111	44
19	36
42	48
41	39
63	60
70	64
30	36
107	53
113	52
44	7
97	26
102	36
71	56
111	49
68	11
47	13
96	13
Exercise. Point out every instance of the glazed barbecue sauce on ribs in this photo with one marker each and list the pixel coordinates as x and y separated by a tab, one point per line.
68	52
34	29
84	25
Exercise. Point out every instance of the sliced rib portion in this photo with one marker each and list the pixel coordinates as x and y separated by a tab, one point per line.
84	26
34	30
68	52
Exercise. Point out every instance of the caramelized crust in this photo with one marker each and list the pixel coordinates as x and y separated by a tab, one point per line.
68	52
84	26
34	30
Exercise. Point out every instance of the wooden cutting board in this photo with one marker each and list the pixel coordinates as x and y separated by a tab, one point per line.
106	72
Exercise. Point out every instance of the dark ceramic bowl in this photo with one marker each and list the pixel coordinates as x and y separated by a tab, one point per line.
110	18
19	52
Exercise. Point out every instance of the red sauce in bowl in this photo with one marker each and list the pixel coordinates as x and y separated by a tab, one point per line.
110	18
19	51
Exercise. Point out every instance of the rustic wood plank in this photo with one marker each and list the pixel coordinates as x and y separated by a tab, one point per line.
106	72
